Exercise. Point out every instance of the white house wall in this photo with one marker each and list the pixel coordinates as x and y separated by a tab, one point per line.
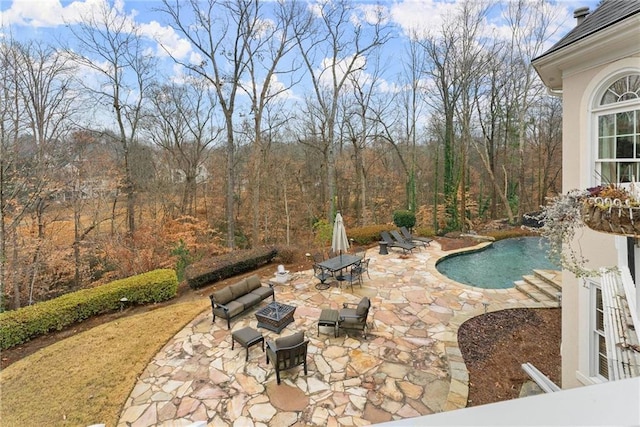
599	248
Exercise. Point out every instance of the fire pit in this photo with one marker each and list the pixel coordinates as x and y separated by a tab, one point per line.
275	316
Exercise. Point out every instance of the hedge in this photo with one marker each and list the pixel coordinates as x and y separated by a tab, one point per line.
211	270
23	324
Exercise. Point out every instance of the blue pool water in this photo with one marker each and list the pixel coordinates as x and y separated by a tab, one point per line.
500	264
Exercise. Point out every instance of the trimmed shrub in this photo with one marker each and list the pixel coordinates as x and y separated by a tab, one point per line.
25	323
369	234
404	218
210	270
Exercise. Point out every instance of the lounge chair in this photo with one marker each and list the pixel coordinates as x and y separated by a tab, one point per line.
391	243
355	318
407	235
399	238
288	352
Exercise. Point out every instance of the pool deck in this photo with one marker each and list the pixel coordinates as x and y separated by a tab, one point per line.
409	365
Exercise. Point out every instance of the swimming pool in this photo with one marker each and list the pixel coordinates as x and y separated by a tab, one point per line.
499	265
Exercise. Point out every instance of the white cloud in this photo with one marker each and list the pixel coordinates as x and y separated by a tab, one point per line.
170	41
420	16
46	13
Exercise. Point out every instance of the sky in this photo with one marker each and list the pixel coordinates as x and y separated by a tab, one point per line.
49	21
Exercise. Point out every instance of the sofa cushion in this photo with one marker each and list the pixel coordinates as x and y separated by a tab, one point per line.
263	292
248	300
253	282
290	340
234	308
363	306
239	289
222	296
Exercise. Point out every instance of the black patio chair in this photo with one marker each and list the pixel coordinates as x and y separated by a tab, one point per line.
355	318
288	352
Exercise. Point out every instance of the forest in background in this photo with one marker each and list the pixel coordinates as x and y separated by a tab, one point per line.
223	159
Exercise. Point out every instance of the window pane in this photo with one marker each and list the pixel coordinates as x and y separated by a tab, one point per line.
606	125
624	123
608	98
606	148
603	365
599	320
624	147
627	172
607	172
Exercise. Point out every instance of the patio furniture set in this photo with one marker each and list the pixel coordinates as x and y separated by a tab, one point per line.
334	267
284	352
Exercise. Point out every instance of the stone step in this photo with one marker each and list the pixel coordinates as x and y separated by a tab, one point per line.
552	277
543	286
535	294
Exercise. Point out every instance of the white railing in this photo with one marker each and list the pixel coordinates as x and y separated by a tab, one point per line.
539	378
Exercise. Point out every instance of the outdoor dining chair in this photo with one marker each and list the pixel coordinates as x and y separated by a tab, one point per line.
321	273
354	275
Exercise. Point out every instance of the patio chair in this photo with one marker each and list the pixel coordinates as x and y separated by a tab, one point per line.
399	238
407	235
386	237
318	257
364	267
355	318
288	352
354	275
321	273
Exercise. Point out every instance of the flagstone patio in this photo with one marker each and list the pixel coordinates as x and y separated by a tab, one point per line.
408	366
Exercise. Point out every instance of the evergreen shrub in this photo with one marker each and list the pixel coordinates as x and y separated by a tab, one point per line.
211	270
23	324
404	218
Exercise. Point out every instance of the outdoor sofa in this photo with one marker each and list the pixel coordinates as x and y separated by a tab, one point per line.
234	299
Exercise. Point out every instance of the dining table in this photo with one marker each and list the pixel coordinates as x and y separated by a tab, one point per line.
339	263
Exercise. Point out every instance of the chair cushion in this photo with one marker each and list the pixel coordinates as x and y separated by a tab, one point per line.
222	296
253	282
363	306
290	340
234	308
239	289
263	292
249	300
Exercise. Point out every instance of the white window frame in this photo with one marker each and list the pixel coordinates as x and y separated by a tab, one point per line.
598	111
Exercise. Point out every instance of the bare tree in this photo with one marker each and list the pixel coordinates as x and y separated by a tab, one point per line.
216	29
452	53
36	82
531	26
334	43
181	124
267	43
112	47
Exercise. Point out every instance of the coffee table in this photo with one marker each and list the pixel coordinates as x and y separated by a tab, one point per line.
275	316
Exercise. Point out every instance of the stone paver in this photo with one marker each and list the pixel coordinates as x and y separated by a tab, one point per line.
409	365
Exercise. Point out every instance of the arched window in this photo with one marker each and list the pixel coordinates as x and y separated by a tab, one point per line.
618	118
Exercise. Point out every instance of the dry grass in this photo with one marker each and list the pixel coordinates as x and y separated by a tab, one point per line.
86	379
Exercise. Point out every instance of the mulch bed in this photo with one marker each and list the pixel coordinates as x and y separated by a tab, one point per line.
496	344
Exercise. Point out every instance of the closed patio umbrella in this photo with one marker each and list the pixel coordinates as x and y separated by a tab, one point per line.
339	242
